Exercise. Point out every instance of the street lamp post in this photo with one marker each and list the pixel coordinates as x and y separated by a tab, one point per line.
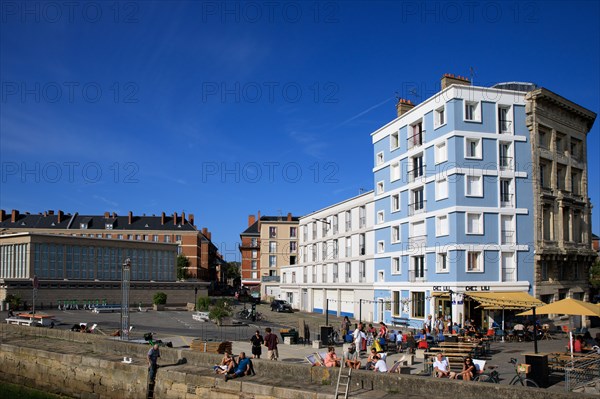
195	295
125	279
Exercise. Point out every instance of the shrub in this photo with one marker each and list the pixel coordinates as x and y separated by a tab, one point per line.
160	298
203	303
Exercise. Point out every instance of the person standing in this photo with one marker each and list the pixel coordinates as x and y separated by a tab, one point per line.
271	342
153	355
257	342
358	336
345	327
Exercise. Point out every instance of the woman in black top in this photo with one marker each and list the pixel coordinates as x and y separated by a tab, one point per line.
468	371
257	340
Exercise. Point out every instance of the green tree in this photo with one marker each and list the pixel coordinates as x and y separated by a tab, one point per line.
220	310
13	300
160	298
233	270
595	274
182	263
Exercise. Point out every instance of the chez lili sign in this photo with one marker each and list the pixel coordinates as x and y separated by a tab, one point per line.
468	288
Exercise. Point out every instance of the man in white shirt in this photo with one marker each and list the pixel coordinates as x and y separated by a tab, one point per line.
441	367
358	336
380	365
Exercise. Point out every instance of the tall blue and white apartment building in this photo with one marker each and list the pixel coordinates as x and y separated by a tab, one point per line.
473	188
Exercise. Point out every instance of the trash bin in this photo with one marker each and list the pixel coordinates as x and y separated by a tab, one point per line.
326	332
539	371
292	333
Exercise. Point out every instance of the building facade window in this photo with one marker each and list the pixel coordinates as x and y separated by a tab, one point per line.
472	111
439	117
442	262
441	225
362	272
272	261
272	232
395	234
395	205
394	140
396	269
418	305
272	247
473	148
441	189
380	159
474	223
474	186
293	232
441	152
474	261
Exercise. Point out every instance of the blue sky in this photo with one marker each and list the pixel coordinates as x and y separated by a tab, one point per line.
222	109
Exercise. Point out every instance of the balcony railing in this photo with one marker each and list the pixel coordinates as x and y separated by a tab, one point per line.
505	163
504	126
417	275
416	140
506	200
416	208
419	240
507	237
270	279
415	174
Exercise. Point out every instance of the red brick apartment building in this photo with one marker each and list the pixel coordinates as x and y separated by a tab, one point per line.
195	244
268	243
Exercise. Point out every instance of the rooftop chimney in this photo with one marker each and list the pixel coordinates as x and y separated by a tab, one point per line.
251	220
289	217
50	212
182	217
130	217
191	219
106	215
60	215
449	79
114	215
14	215
206	232
403	106
175	218
162	218
258	217
2	215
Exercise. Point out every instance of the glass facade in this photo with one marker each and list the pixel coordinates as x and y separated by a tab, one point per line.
80	262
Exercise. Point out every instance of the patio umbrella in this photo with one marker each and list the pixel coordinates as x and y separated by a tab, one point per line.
567	306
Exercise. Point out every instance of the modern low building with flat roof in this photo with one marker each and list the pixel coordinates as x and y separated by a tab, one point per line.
89	269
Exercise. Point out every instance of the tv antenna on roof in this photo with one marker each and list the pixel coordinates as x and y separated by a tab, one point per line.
472	74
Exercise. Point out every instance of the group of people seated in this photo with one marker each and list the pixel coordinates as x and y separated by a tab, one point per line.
235	369
441	368
580	342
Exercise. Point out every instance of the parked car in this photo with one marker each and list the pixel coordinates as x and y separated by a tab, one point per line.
279	305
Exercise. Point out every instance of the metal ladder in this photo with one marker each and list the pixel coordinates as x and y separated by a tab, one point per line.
346	378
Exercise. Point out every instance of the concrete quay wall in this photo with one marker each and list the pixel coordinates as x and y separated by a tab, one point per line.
89	366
